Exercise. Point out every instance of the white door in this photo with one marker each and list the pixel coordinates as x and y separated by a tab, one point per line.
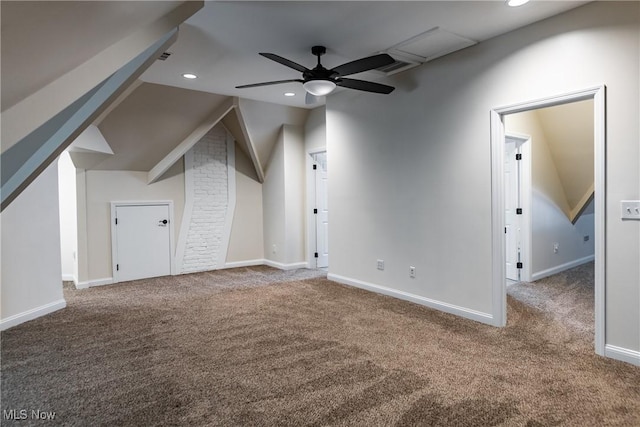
143	245
322	215
512	228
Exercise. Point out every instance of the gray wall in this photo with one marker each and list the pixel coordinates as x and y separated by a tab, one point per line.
410	173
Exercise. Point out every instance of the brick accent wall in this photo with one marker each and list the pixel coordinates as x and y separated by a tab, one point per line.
210	198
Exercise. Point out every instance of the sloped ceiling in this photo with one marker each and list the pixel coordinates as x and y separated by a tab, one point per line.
150	122
264	121
569	132
38	46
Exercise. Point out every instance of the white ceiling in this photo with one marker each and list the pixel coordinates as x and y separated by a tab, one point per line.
220	43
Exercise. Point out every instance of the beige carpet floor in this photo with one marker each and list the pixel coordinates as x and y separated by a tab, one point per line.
260	347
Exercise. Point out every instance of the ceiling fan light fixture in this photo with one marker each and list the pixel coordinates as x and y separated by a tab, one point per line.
319	87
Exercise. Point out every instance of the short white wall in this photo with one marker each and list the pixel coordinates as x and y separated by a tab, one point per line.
31	284
550	226
283	194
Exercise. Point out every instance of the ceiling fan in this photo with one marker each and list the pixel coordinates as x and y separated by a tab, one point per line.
320	81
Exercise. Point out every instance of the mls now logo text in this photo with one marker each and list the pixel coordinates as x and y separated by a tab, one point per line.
23	414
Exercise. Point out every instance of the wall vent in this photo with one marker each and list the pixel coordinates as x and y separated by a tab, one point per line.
164	56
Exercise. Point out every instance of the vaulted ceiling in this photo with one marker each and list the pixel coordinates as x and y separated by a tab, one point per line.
220	43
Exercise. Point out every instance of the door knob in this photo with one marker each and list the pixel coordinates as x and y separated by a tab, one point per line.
164	221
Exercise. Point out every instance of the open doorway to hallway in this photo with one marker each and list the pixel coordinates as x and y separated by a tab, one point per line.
567	195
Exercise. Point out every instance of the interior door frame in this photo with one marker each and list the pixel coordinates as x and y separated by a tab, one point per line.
311	202
114	235
526	199
598	95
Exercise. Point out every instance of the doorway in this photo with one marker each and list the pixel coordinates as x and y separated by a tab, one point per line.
141	240
498	148
517	197
320	209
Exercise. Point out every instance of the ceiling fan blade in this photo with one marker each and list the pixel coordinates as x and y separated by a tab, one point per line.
285	62
310	99
364	64
365	86
277	82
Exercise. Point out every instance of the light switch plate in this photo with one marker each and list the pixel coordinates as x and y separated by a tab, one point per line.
630	209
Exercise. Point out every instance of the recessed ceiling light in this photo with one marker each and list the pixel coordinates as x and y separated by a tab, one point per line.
516	3
189	76
289	94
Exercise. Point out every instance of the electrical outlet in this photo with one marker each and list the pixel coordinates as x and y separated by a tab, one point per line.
556	248
274	249
380	264
412	272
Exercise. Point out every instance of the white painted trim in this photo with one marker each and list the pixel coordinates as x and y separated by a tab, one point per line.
192	139
498	267
253	153
187	210
281	266
311	204
114	235
478	316
231	200
96	282
598	94
69	278
560	268
526	196
248	263
623	354
34	313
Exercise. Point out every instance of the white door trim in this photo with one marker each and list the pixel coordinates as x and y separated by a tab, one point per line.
114	235
310	204
598	94
526	200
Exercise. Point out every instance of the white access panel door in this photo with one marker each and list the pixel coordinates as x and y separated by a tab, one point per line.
511	201
143	244
322	217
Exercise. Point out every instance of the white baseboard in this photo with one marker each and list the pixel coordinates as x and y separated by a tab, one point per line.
560	268
248	263
292	266
428	302
92	283
34	313
623	354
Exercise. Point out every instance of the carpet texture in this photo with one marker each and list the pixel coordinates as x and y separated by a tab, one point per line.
259	347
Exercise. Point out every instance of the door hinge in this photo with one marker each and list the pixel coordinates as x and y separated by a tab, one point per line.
315	167
505	230
116	221
117	267
315	255
518	156
518	211
315	211
518	265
